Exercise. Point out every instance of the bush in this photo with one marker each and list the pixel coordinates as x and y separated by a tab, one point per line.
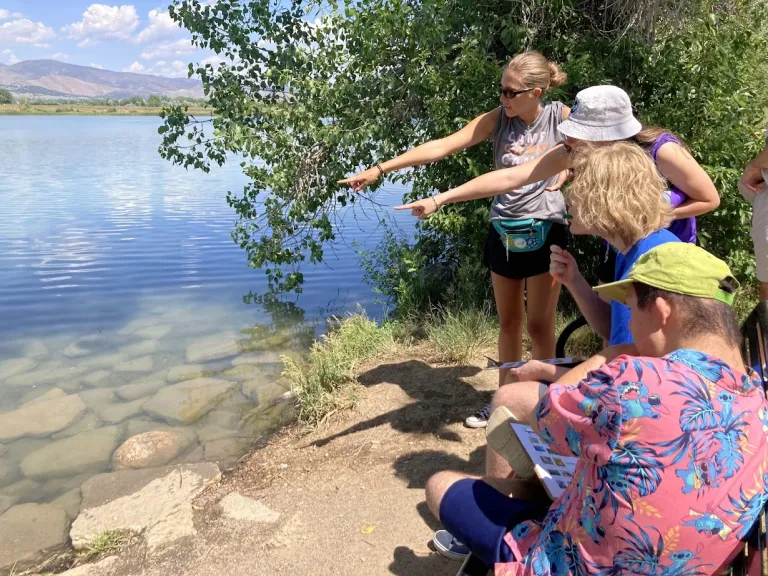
320	383
5	96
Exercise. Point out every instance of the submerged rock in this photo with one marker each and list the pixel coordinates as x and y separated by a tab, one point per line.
84	452
29	532
143	364
15	366
69	502
226	451
45	375
74	350
35	349
141	388
213	347
41	417
89	421
186	372
119	412
154	332
152	449
140	348
185	403
95	378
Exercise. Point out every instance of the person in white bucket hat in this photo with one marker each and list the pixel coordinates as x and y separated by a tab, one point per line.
601	114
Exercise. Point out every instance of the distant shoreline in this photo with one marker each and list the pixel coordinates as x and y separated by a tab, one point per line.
85	110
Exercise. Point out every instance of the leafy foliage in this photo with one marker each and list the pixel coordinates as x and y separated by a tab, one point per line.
5	96
310	92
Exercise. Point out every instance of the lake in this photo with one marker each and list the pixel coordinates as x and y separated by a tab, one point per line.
127	308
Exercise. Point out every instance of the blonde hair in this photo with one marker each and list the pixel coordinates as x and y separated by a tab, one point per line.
617	192
535	71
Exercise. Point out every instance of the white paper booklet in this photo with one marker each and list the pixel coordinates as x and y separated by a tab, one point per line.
554	471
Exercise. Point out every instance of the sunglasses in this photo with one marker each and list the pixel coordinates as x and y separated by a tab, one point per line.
509	94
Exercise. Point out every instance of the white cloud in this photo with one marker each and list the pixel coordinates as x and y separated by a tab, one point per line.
175	69
97	66
40	45
23	31
9	57
60	56
102	22
160	26
135	67
213	60
167	50
4	14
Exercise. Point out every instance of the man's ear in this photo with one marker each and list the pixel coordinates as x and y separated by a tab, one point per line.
662	311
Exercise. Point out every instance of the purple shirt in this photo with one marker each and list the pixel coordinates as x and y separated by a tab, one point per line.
684	228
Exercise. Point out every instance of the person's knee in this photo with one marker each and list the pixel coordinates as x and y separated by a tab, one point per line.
540	328
510	323
436	487
507	395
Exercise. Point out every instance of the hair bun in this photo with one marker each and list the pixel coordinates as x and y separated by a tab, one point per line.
556	76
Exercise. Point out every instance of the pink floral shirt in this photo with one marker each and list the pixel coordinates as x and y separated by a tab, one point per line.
673	470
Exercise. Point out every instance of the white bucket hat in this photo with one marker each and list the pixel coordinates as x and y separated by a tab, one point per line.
601	114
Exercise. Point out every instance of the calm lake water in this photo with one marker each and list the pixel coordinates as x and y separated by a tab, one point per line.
125	305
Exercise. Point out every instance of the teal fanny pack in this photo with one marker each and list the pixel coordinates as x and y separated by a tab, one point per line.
522	235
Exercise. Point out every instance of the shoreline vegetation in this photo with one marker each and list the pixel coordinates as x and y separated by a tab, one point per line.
59	109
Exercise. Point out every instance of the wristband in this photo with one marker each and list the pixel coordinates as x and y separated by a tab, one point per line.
381	170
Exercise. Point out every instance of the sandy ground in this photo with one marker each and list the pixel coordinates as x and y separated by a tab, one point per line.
347	498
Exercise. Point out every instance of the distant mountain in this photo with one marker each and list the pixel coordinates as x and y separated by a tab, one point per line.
52	79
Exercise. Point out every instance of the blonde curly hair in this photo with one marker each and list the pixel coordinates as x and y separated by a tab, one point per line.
616	191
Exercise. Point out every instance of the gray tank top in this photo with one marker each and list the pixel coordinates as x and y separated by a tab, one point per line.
515	143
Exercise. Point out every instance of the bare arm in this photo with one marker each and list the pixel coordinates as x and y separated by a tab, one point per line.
563	266
496	182
682	170
753	172
473	133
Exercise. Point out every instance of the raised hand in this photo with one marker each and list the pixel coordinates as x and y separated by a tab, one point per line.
562	265
421	208
362	179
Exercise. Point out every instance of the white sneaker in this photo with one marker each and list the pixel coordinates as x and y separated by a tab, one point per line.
480	418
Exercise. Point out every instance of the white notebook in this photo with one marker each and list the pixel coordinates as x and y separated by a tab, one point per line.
553	470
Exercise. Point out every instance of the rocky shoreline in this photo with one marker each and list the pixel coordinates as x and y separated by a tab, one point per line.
86	430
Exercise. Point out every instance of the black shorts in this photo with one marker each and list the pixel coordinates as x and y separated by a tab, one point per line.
606	270
520	265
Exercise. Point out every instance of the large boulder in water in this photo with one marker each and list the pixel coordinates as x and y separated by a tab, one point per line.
152	449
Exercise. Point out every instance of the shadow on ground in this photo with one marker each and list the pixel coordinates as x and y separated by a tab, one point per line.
417	467
407	563
441	398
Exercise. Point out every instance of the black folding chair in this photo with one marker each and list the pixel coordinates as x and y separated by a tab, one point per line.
752	558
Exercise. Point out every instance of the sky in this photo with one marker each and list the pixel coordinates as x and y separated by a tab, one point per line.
135	37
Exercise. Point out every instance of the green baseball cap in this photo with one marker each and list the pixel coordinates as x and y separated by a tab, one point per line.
677	267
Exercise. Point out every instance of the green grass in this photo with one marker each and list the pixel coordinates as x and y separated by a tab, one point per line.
109	541
460	336
322	384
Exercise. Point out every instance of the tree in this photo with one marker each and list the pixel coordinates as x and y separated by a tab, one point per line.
305	98
5	96
154	101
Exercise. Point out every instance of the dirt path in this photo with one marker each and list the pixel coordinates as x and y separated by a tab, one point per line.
347	499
